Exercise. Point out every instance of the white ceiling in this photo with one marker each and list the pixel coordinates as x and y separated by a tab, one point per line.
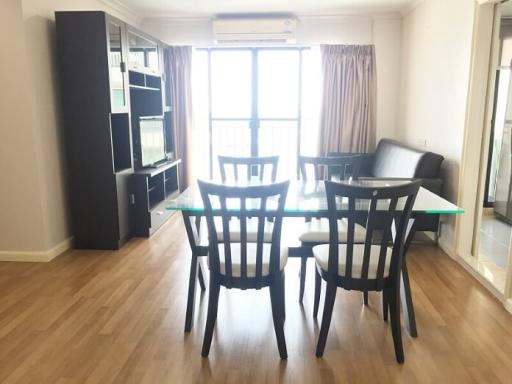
166	8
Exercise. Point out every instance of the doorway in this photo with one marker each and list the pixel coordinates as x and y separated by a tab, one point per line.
494	234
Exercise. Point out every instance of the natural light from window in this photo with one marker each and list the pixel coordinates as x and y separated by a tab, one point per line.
255	101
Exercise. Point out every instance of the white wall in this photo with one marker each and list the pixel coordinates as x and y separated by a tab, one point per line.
428	53
388	47
436	60
34	211
34	221
384	31
21	216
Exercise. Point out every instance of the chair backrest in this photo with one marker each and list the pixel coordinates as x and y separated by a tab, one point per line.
385	212
252	166
325	168
256	202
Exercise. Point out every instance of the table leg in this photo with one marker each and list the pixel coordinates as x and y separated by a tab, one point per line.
405	288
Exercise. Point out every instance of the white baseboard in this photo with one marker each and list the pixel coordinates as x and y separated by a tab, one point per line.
470	265
472	270
446	248
508	305
37	256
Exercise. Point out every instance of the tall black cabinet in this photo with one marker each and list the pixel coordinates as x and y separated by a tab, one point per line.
95	68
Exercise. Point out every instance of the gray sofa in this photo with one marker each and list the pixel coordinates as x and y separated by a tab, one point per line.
393	159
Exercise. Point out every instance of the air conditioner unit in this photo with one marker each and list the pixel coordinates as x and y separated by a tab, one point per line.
271	30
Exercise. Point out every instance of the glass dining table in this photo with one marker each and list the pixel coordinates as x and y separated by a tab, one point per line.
307	200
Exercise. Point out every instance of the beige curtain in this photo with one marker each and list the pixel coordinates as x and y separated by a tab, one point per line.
178	68
347	121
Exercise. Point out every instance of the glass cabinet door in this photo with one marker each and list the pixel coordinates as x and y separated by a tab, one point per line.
117	67
143	54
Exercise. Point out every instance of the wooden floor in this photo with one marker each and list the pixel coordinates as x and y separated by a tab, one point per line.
101	317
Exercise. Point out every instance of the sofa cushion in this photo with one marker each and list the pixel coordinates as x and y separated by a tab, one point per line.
393	159
317	231
321	254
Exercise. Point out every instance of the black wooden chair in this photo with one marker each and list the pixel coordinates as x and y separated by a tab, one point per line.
242	264
372	266
261	168
330	167
316	231
253	166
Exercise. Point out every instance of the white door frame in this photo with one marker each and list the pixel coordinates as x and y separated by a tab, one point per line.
485	54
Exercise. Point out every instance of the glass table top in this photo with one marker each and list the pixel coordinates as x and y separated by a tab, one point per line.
310	198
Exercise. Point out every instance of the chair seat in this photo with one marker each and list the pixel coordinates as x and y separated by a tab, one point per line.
321	254
317	231
234	230
251	259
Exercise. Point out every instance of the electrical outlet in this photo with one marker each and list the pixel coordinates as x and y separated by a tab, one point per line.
422	143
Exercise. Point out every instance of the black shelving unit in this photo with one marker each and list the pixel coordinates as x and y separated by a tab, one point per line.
103	93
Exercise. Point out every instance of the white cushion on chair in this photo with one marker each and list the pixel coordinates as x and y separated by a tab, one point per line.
317	231
234	230
321	254
251	259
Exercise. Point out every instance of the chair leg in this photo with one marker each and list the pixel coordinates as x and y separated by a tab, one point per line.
276	300
201	277
407	304
318	289
303	265
396	328
365	298
283	295
191	299
213	304
330	296
385	304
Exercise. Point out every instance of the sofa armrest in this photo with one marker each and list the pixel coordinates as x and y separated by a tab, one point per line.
433	185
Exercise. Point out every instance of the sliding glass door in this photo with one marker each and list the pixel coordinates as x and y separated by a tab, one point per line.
278	106
230	89
254	103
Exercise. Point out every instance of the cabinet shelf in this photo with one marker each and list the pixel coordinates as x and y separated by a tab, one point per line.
152	188
132	86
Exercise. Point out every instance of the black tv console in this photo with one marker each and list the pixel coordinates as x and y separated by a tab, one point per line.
151	188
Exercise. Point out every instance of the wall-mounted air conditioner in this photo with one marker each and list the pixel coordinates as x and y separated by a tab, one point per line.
260	30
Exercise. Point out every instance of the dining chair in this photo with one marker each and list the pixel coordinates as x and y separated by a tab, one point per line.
329	167
257	165
316	231
243	264
373	266
253	166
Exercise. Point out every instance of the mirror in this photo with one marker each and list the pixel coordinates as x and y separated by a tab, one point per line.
143	53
